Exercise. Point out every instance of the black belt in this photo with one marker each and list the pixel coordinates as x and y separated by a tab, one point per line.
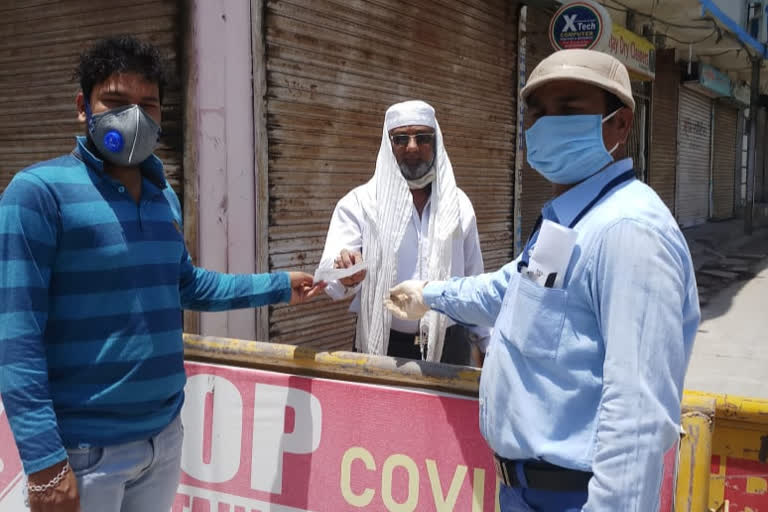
403	345
541	475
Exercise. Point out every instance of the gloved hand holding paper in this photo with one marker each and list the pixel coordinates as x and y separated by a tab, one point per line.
334	274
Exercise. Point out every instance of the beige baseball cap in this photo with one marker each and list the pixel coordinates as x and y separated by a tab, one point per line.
588	66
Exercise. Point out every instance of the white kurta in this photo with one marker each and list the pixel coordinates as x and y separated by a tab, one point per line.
345	232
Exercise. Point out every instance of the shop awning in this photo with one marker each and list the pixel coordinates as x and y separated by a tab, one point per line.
700	30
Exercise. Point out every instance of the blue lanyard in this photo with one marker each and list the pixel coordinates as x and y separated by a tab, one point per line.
606	190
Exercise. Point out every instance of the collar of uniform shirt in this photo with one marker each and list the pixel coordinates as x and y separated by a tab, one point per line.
564	208
151	168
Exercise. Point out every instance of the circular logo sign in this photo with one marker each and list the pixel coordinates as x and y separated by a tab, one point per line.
581	24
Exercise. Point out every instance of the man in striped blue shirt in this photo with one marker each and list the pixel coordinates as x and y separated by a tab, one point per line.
93	276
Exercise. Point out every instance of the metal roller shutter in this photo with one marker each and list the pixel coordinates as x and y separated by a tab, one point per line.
332	68
724	160
535	189
693	164
40	41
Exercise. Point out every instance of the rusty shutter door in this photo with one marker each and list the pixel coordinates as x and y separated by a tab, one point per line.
333	67
40	41
663	145
535	189
693	163
724	160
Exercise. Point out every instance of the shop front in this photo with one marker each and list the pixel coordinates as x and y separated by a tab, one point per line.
707	146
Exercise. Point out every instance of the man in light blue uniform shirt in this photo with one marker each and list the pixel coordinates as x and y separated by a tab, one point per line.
580	393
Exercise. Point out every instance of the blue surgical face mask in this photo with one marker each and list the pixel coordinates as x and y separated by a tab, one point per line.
568	149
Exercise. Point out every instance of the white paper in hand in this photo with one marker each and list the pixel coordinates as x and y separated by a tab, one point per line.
551	255
334	274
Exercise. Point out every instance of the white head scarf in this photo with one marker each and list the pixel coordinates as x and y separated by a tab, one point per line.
385	227
410	113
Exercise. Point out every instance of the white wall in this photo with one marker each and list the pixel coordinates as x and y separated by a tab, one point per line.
227	210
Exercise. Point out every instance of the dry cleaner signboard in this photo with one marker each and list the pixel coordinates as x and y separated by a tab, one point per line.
636	53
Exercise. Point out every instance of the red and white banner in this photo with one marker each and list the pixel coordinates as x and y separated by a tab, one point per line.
274	442
259	441
11	473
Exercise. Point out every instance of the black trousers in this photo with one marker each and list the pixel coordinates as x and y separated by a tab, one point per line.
456	350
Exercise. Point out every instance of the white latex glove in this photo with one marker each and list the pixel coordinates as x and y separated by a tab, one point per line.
406	300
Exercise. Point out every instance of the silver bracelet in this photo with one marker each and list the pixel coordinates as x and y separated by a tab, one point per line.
55	481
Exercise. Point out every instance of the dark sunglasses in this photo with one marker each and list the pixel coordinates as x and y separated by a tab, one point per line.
422	139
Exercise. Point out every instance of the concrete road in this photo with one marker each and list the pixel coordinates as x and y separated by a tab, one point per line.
731	350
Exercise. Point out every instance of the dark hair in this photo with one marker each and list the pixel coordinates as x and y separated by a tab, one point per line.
612	103
122	54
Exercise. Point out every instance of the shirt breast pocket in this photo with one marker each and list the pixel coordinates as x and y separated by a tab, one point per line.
533	319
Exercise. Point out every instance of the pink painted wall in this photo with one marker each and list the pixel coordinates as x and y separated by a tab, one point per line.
227	209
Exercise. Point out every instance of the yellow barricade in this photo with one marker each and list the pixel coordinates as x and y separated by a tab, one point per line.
723	450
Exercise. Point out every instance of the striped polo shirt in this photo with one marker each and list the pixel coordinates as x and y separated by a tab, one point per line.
92	285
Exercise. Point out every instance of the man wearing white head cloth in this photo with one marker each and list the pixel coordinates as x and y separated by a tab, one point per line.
410	221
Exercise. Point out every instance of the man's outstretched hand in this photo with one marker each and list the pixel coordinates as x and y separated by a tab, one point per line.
406	300
348	259
303	288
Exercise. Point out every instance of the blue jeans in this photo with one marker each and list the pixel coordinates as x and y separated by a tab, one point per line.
516	499
142	476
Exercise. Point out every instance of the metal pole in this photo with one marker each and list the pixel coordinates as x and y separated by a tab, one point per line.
517	206
739	160
752	147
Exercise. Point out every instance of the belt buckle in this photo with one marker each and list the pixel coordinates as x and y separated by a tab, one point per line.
501	471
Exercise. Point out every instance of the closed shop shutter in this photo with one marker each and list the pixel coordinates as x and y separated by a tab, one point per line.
535	189
724	160
663	141
333	67
40	41
693	164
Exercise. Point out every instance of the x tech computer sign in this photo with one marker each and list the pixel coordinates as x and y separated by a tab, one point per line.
580	25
